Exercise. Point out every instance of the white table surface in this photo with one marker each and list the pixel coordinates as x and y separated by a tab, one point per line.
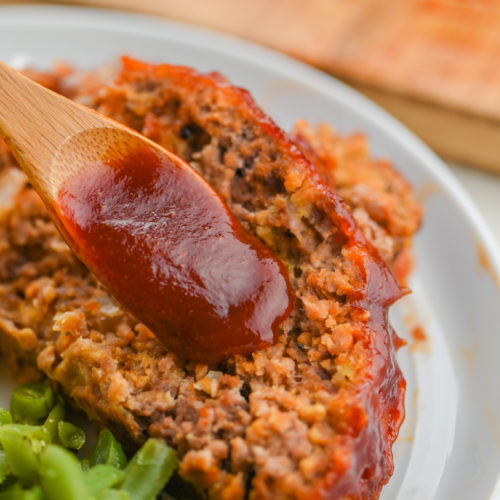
484	189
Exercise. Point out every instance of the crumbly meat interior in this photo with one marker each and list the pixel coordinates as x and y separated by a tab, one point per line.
381	200
313	416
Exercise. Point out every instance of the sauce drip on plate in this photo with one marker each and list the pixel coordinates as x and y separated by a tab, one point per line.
166	246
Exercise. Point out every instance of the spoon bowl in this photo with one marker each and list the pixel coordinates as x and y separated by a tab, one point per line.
148	226
52	137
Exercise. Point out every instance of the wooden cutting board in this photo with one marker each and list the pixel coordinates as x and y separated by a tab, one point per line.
435	64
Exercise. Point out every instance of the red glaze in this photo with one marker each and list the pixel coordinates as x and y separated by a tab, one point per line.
166	246
375	402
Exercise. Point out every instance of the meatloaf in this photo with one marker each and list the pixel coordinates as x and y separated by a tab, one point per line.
312	417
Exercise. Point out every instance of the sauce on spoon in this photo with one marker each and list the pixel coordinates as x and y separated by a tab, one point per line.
166	246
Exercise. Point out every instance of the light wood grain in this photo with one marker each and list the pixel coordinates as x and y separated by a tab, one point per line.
468	138
36	123
53	137
439	59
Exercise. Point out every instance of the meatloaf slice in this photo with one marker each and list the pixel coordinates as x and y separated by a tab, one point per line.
380	199
313	416
382	202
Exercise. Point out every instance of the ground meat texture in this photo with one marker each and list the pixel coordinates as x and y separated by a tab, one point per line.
382	202
313	416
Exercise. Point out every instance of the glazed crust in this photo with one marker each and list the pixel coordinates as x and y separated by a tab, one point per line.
381	200
313	416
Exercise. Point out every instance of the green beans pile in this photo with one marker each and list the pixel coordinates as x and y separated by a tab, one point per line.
36	462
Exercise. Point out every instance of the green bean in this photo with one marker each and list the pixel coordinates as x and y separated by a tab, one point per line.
34	465
34	493
61	476
85	464
149	469
16	493
101	477
4	467
20	444
115	495
5	417
108	451
31	432
54	417
31	402
70	436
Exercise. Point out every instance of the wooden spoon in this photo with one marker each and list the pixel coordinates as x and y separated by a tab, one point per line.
51	136
147	225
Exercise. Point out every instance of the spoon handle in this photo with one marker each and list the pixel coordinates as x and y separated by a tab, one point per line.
35	122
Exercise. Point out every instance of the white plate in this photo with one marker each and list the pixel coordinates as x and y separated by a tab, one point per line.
449	446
